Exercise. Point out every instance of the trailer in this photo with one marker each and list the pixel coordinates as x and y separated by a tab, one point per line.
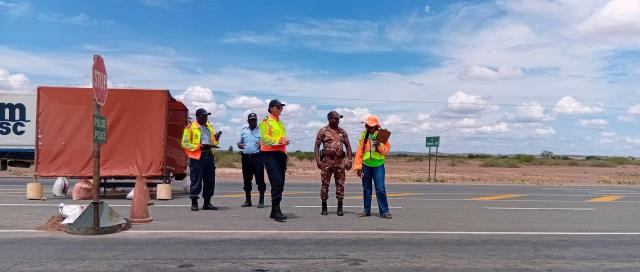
17	129
144	132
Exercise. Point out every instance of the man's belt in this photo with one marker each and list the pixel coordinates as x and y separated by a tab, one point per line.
251	155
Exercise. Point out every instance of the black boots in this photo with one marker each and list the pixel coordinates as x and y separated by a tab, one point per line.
340	212
324	208
261	201
276	213
207	205
247	202
194	204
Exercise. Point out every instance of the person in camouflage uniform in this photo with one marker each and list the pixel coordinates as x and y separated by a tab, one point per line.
332	160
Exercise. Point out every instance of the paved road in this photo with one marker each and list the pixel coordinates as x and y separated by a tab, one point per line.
436	227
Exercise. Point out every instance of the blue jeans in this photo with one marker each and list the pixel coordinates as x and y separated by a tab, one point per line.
377	175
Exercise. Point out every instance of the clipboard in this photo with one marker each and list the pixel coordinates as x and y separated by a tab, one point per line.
383	135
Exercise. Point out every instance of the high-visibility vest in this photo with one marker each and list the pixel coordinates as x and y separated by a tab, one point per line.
191	137
369	151
272	133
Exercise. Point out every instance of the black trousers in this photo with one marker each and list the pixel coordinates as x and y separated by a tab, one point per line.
276	164
253	166
202	174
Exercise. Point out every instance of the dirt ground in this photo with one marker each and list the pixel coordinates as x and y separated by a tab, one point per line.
467	172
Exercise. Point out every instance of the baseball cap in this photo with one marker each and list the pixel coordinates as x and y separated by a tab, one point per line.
252	116
334	113
275	102
202	111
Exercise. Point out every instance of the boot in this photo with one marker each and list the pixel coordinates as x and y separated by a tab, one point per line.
276	214
207	205
340	212
261	201
247	202
324	208
194	204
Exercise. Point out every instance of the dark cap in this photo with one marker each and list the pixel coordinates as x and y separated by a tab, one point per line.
275	102
334	113
202	111
252	116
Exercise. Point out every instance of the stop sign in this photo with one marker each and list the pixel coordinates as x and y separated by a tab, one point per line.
99	80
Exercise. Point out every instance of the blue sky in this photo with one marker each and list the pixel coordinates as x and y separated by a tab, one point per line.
488	76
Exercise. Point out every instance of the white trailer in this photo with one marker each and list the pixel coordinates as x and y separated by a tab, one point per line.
17	129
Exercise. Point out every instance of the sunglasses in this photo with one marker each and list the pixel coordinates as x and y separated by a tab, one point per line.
278	107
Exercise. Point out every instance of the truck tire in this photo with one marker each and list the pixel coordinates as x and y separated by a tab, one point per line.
4	165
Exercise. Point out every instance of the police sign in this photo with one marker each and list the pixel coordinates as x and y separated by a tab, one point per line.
99	129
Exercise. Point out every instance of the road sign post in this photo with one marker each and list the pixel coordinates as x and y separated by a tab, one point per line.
432	142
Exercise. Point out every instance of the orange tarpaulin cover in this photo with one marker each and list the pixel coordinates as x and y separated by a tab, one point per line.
144	130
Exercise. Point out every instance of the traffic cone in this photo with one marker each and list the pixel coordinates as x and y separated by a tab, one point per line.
139	209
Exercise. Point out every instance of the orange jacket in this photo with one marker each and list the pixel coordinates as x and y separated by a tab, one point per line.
191	139
369	152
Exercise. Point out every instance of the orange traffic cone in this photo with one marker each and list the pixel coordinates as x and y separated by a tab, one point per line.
139	209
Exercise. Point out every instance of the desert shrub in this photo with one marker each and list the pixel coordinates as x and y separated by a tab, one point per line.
225	159
302	156
525	158
600	163
591	158
478	156
496	162
456	162
620	160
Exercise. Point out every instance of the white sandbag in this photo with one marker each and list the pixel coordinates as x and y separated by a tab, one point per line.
186	185
60	187
130	194
70	212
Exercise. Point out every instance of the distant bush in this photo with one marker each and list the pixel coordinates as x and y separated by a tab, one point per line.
600	163
303	156
497	162
456	162
478	156
591	158
226	159
620	160
525	158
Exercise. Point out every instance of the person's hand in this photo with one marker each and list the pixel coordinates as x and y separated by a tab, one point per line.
349	165
359	172
242	146
320	165
218	135
286	141
376	144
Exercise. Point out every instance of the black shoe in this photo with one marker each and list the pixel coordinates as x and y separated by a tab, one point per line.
207	205
324	208
386	216
194	204
261	201
340	212
246	204
276	214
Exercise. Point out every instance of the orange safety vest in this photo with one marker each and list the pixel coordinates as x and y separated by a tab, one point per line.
191	137
271	134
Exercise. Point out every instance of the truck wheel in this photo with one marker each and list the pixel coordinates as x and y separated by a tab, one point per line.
4	165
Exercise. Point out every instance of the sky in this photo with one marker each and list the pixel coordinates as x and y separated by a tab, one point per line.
501	77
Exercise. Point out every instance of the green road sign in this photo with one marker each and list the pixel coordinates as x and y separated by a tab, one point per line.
433	141
99	129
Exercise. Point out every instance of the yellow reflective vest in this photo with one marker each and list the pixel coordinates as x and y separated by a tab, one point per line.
272	134
191	137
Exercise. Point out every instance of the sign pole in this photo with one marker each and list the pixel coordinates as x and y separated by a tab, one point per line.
429	167
96	175
435	168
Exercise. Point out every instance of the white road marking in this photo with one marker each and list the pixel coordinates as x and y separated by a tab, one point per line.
356	232
515	208
342	206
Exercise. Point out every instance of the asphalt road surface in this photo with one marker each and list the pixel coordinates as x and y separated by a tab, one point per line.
435	227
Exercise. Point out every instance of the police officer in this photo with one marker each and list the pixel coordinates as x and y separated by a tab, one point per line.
273	146
252	163
198	140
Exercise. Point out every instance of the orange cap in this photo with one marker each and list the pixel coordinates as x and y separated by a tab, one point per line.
372	121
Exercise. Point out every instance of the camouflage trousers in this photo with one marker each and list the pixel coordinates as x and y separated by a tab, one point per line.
338	171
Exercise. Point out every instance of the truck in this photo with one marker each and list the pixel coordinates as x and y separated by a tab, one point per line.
17	129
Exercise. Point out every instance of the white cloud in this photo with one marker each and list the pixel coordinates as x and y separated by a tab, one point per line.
570	106
14	8
545	131
252	38
462	103
196	97
617	21
14	82
246	102
529	112
592	123
608	134
80	19
634	110
489	73
498	128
